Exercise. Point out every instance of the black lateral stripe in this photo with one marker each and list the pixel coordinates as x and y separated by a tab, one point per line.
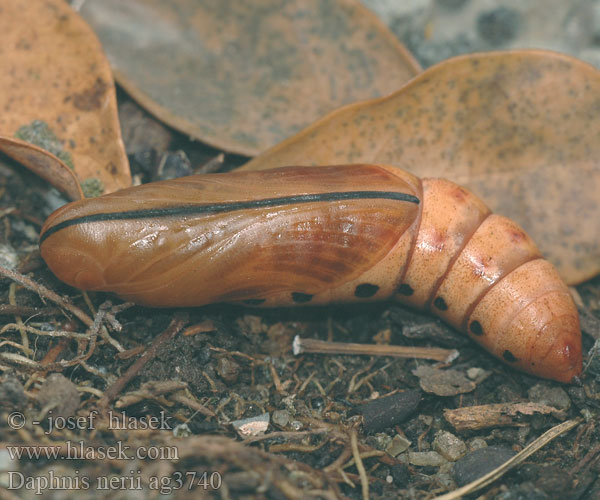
183	210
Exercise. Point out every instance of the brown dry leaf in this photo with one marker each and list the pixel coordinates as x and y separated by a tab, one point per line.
56	91
519	128
243	76
44	164
443	382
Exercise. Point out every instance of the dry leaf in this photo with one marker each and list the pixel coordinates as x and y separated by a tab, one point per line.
44	164
56	91
443	382
519	128
243	76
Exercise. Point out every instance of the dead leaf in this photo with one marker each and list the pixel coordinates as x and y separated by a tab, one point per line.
243	76
519	128
57	92
443	382
44	164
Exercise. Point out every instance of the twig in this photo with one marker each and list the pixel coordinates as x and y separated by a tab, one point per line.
24	339
175	327
529	450
495	415
314	346
194	405
9	310
44	292
284	435
364	481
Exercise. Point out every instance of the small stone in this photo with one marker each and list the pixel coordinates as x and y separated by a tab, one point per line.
281	417
444	476
252	426
449	446
381	440
296	425
388	411
60	395
397	445
228	369
550	396
182	430
478	375
480	462
476	444
498	26
426	458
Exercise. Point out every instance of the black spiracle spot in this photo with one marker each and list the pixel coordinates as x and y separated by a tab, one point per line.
365	290
253	302
440	304
476	328
405	289
509	356
301	297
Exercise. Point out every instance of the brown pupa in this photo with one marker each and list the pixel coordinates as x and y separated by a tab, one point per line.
301	235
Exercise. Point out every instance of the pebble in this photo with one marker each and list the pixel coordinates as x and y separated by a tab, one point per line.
252	426
426	458
548	395
476	444
281	417
480	462
388	411
228	369
397	445
478	375
449	446
296	425
182	430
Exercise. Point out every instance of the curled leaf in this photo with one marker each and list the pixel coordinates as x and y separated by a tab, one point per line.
44	164
57	92
243	76
519	128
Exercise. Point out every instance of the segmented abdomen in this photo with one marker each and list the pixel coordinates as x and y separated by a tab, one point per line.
484	275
